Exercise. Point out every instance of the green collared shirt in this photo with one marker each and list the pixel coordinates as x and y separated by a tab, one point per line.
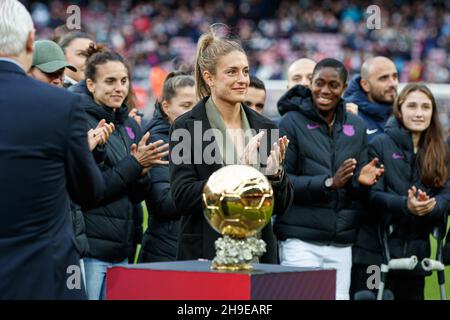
225	143
227	147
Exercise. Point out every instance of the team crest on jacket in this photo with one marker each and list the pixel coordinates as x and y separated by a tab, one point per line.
130	133
349	130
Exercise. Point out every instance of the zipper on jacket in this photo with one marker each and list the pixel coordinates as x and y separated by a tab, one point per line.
123	141
335	194
408	222
330	135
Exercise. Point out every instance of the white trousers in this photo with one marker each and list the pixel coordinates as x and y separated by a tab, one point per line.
83	272
297	253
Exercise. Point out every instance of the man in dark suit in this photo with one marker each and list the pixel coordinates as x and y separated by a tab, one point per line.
44	159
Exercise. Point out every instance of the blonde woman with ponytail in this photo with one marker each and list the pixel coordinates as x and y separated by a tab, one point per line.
222	79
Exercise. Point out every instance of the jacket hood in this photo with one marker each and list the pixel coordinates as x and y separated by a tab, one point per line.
292	99
159	124
300	98
80	88
400	135
96	110
355	94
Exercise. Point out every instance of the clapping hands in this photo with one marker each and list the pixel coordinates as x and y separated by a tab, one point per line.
276	156
100	134
419	203
149	155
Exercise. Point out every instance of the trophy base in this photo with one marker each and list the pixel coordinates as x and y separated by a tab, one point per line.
232	267
237	254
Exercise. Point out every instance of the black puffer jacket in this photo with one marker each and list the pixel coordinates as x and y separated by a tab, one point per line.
79	227
79	230
111	227
160	238
388	200
319	215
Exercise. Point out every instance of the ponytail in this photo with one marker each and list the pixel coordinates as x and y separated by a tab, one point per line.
210	48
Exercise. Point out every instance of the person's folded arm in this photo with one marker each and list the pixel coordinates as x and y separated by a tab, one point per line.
139	188
159	199
442	207
391	206
306	189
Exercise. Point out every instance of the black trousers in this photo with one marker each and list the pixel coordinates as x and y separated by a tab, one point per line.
404	285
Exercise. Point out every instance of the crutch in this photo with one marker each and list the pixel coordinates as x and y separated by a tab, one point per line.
388	263
437	264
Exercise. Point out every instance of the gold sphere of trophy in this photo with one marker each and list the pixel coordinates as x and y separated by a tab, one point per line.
238	202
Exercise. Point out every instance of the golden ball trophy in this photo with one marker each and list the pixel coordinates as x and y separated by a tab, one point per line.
238	202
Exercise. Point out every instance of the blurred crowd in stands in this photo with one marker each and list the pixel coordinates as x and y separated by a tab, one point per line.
156	36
